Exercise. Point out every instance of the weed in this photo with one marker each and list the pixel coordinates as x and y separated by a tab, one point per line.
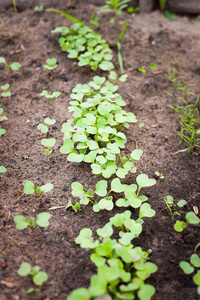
44	128
41	220
159	175
49	143
142	70
29	188
14	66
115	6
93	20
113	76
86	45
189	268
119	56
15	8
5	88
169	200
39	8
38	277
51	64
50	96
191	219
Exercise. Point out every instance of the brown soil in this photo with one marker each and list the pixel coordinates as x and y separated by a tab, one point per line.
27	38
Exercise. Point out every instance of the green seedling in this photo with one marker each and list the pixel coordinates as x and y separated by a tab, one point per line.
2	169
121	269
2	131
29	188
38	277
2	118
44	128
189	268
169	200
76	207
169	16
93	20
142	70
84	44
15	7
5	88
115	6
50	96
113	76
119	56
14	66
42	221
133	10
51	64
49	143
159	175
153	66
191	219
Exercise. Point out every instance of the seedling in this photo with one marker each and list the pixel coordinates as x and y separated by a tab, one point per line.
113	76
2	169
119	56
115	6
159	175
42	221
153	66
86	45
15	7
14	66
169	200
189	268
142	69
93	20
38	277
5	88
169	16
76	207
2	118
51	64
133	10
50	96
29	188
49	143
44	128
191	219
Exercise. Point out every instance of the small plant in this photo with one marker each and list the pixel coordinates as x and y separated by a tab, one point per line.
2	118
119	56
15	7
153	66
5	88
44	128
159	175
115	6
76	207
29	188
42	221
188	268
49	143
93	20
169	200
50	96
169	16
113	76
14	66
191	219
133	10
38	277
84	44
142	70
51	64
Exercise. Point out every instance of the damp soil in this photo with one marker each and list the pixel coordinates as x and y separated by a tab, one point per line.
27	38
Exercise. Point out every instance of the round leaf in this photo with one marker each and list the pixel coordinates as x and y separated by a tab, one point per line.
21	222
24	269
101	188
144	181
42	219
29	187
186	267
116	186
39	278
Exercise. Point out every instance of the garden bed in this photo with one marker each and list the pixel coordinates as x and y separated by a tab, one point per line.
27	39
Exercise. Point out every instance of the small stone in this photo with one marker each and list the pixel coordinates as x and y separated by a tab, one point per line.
153	134
64	78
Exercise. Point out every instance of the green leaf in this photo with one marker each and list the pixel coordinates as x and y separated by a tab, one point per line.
24	269
67	147
97	259
192	218
15	66
146	292
106	231
196	278
179	226
2	169
29	187
181	203
123	77
195	260
116	186
48	142
47	187
186	267
40	277
85	239
170	199
42	219
77	189
105	204
106	66
21	222
144	181
43	128
101	188
75	157
146	211
136	154
5	86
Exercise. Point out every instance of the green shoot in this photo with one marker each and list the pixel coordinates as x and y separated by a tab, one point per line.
51	64
44	128
65	15
14	66
133	10
119	56
169	16
49	143
38	277
159	175
93	20
42	221
153	66
5	88
115	6
50	96
29	188
142	70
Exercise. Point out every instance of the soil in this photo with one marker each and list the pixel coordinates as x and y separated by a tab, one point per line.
27	38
